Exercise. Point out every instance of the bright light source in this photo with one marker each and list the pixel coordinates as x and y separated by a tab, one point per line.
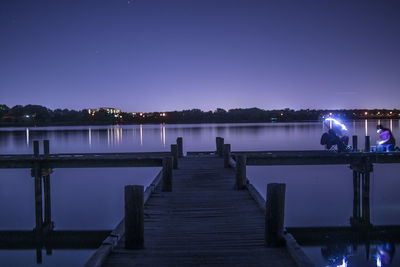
366	113
344	263
336	122
378	261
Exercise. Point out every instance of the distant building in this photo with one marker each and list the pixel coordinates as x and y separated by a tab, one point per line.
92	111
111	110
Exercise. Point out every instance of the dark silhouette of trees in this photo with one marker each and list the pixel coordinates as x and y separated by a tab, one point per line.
31	115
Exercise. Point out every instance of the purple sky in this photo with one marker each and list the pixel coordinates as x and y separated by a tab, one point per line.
154	55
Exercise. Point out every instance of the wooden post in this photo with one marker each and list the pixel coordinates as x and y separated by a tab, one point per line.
179	143
134	217
38	191
274	218
39	255
174	152
367	144
356	199
46	189
355	146
46	147
241	179
227	155
36	148
167	174
365	198
220	144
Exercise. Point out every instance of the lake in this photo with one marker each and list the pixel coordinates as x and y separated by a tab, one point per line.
90	199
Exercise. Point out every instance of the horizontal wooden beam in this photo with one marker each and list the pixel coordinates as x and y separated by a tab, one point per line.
314	157
88	160
317	236
54	239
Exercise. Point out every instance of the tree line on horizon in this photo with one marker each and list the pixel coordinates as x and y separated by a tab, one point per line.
36	115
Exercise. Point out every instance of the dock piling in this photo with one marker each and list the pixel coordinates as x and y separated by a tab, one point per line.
274	218
220	143
227	155
36	148
46	189
175	155
167	174
241	179
357	195
38	191
134	217
355	146
367	144
179	143
365	197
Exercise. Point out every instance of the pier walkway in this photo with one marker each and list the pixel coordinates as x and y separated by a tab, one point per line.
203	221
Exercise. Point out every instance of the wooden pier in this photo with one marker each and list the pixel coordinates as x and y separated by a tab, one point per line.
203	221
199	210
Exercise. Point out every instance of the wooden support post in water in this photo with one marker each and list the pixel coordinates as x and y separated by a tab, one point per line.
241	179
174	152
167	174
36	148
46	189
38	191
365	198
227	155
220	144
134	217
39	255
179	143
356	199
355	146
367	144
274	218
46	147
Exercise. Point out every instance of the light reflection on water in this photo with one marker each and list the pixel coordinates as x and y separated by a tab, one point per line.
316	195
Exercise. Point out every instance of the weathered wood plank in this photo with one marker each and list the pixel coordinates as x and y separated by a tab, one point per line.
204	221
100	255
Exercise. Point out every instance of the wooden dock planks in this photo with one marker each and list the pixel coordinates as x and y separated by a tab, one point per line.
203	221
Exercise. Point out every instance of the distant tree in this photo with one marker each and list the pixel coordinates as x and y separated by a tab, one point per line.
3	110
16	111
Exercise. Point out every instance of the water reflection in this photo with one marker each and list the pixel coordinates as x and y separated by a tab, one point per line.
90	137
344	254
163	135
278	136
27	137
361	244
114	136
141	134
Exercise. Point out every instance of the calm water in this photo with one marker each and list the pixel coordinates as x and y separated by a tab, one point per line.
93	198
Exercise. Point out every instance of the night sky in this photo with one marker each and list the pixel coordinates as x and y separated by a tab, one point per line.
163	55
